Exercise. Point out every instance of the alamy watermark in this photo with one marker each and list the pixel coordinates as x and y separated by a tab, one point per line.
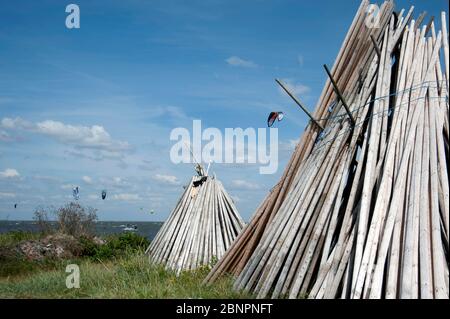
73	279
372	20
236	146
73	19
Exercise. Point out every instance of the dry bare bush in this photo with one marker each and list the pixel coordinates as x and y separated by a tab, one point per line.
77	220
41	216
72	219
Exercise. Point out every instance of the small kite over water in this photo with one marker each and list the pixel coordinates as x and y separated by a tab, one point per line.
76	193
274	116
103	194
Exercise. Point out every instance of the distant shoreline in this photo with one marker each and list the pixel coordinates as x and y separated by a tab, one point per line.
147	229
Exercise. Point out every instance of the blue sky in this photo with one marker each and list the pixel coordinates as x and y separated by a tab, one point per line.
94	106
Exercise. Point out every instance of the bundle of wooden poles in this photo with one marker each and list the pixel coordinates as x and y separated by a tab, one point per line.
362	209
202	226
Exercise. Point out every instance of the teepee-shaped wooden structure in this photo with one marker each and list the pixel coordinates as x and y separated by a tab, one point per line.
202	226
362	209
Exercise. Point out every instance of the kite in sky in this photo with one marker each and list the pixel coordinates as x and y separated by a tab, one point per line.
274	116
76	193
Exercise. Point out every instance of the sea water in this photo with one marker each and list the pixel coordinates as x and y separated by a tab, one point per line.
146	229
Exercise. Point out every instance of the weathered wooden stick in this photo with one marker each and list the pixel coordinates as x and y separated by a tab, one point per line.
296	100
339	94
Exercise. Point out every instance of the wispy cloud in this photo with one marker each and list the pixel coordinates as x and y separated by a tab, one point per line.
166	179
126	197
5	137
168	112
9	173
45	178
94	137
96	155
7	195
87	179
175	112
237	61
295	87
300	59
289	145
116	182
119	182
235	199
243	184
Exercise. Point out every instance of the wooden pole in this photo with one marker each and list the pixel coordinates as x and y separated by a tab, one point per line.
375	45
336	89
298	103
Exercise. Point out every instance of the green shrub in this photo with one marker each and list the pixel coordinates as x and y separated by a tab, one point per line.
128	241
115	246
104	252
16	236
14	264
89	247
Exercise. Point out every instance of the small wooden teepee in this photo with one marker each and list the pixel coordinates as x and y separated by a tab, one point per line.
202	226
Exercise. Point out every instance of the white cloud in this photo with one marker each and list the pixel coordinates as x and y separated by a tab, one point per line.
176	112
295	88
4	136
45	178
120	182
167	113
242	184
235	199
293	143
300	59
289	145
9	173
7	195
94	137
17	123
126	197
237	61
116	183
117	180
166	179
96	155
81	136
87	179
67	186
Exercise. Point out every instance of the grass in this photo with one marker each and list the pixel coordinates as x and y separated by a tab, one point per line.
130	276
14	237
123	273
13	264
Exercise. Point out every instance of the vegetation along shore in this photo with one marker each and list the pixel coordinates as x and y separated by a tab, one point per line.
33	265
